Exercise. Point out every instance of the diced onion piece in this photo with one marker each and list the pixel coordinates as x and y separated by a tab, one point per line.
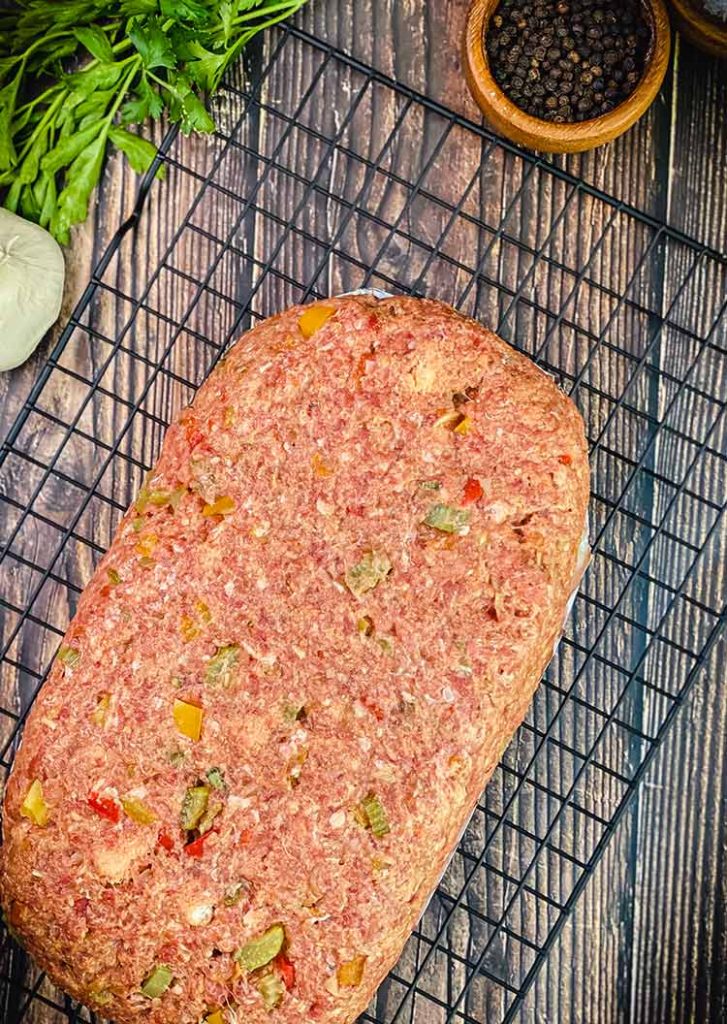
271	989
258	952
188	719
314	318
376	815
223	506
34	806
350	973
374	567
138	811
234	893
157	982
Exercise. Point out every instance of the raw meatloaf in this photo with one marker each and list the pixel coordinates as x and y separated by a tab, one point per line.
297	666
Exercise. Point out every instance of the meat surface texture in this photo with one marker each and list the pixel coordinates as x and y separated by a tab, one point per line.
295	669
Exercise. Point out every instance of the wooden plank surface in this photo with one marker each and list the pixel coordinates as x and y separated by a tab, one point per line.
647	941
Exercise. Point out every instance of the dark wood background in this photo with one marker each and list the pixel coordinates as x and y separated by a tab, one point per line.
648	939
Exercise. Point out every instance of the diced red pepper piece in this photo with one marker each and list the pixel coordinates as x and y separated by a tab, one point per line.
196	847
565	459
105	806
472	491
287	970
165	841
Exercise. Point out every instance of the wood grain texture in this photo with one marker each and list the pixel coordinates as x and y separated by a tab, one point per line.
646	941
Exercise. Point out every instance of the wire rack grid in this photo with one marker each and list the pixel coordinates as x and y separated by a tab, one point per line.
298	197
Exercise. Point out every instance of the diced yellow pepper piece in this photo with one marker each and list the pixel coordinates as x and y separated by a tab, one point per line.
100	712
350	973
188	719
34	805
464	426
314	318
188	628
146	545
222	507
320	466
215	1017
205	615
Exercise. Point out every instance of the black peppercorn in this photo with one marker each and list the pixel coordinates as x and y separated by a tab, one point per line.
567	60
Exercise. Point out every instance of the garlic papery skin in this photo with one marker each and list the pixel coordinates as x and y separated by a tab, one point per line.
32	273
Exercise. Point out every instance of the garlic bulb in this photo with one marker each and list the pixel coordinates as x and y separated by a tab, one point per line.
31	287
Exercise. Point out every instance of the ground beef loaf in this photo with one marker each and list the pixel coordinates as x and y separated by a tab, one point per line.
295	669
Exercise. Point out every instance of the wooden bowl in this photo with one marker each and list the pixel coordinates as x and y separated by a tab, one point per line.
572	137
704	32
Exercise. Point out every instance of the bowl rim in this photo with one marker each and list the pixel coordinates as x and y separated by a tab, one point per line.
515	123
700	24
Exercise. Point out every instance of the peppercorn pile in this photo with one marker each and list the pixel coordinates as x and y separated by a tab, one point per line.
567	60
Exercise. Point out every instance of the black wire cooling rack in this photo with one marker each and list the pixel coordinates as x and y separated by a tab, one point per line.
283	206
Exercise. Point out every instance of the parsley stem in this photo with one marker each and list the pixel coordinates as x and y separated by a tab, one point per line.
43	124
136	67
288	6
165	85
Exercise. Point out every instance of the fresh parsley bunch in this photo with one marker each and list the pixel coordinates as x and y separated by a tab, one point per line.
74	74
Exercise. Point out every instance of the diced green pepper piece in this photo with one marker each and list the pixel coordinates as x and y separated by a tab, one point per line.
368	573
138	811
386	644
375	815
68	655
294	712
158	499
194	806
221	666
113	577
447	519
216	778
430	485
259	952
156	983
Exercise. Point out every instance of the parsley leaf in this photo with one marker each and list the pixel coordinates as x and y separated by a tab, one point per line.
140	152
82	178
73	73
146	103
96	42
154	47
